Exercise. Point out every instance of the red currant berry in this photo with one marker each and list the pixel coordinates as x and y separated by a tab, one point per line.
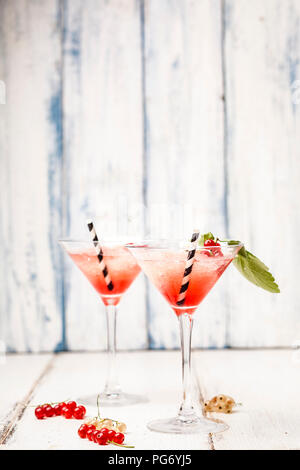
67	413
82	431
95	434
89	434
119	438
57	410
91	426
71	405
39	412
104	431
111	434
79	412
44	406
101	439
209	242
49	411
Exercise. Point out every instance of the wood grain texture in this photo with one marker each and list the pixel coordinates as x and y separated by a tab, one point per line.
103	165
184	138
115	104
30	142
154	371
266	382
262	44
20	374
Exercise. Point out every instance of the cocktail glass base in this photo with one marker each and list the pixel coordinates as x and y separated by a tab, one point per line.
113	399
200	425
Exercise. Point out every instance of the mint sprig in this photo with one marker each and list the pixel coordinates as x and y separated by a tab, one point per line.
252	268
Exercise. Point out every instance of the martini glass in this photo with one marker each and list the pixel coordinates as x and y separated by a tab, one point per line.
123	269
164	263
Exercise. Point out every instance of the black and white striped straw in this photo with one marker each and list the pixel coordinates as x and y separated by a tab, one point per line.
188	268
99	253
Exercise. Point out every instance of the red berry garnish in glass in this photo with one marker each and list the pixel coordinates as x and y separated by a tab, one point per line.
49	411
89	434
119	438
101	439
71	405
210	242
82	431
79	412
67	413
39	412
111	434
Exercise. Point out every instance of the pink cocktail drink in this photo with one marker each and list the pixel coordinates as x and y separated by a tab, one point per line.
121	266
165	269
116	262
184	275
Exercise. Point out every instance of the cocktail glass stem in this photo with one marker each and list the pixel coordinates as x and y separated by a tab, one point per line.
112	387
186	412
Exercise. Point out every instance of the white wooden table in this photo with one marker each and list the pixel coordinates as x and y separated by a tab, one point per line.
267	382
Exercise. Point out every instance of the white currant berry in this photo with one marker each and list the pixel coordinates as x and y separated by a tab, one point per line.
121	427
107	423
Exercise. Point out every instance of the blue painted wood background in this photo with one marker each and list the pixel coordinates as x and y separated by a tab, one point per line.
157	116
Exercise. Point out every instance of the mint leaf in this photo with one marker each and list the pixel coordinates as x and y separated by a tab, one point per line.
252	268
255	270
206	236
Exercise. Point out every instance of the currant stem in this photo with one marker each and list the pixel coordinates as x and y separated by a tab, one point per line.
121	445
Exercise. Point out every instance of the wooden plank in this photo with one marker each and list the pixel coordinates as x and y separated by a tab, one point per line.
266	382
262	45
20	374
88	377
184	152
103	155
30	147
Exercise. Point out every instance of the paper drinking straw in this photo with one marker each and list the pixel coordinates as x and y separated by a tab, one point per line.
188	268
99	252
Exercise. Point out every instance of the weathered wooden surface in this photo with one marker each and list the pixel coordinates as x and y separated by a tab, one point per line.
188	107
31	296
265	381
261	52
103	141
184	167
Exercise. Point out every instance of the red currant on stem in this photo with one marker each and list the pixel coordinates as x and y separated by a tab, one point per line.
39	412
82	431
89	434
79	412
101	438
67	413
95	434
111	434
91	426
58	409
49	411
118	438
71	405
